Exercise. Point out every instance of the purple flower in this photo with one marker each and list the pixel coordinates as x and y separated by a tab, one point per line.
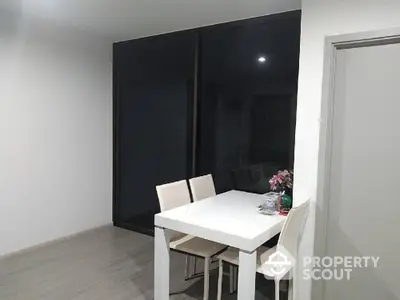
283	179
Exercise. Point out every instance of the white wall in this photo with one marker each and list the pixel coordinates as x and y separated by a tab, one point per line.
322	18
55	132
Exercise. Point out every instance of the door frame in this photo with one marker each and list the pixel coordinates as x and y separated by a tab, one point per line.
332	45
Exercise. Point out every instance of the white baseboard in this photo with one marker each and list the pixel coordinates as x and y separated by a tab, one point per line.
54	241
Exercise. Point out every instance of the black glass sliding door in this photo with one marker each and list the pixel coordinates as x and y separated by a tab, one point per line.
153	88
247	100
219	99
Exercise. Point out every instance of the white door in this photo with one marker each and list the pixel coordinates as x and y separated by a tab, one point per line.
364	194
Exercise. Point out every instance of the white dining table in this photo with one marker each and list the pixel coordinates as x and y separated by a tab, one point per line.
232	219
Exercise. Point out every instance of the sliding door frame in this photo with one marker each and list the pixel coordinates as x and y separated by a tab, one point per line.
116	140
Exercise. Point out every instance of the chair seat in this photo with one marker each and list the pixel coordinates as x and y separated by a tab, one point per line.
231	255
196	246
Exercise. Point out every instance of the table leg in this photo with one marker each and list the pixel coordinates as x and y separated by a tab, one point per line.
161	264
292	283
247	275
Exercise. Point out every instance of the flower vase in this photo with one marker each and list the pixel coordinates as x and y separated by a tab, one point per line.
285	202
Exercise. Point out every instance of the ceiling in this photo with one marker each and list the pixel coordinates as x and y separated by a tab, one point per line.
126	19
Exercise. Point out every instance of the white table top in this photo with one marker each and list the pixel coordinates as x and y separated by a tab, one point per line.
231	218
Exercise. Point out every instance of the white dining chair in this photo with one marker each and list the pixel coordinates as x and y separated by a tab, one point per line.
289	240
202	187
176	194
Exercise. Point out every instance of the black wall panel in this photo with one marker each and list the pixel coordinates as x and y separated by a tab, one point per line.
154	90
199	101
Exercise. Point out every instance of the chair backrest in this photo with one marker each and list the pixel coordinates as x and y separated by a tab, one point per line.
293	228
202	187
172	195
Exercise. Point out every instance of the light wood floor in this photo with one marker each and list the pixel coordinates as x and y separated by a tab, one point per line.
104	264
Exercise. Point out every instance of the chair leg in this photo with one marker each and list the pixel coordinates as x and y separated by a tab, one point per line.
194	265
191	268
235	278
277	290
206	278
220	277
231	288
187	267
291	283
